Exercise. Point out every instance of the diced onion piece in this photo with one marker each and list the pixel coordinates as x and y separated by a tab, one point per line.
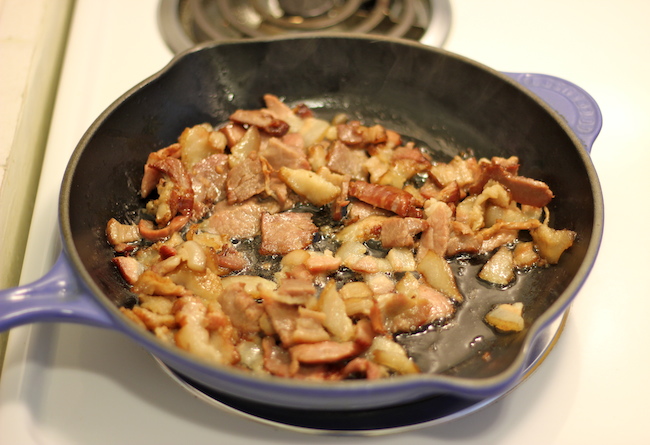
506	317
310	185
438	275
499	269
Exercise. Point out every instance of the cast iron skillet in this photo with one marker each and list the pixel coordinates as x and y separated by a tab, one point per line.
443	100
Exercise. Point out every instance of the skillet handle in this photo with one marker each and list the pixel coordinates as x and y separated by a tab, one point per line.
579	109
56	297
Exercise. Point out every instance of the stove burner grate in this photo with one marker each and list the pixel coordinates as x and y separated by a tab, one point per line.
184	23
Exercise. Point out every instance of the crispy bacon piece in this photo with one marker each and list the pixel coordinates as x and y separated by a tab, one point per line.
151	175
231	258
353	133
182	195
262	120
362	367
323	352
118	233
150	233
129	267
524	190
386	197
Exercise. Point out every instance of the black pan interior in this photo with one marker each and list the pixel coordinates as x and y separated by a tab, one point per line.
449	103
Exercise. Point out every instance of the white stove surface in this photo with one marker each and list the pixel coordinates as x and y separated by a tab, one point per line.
68	384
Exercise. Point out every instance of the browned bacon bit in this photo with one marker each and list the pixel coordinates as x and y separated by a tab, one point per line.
353	133
129	267
262	120
181	199
244	311
166	251
150	233
386	197
399	232
152	175
285	232
362	367
231	258
322	352
524	190
277	360
245	180
303	111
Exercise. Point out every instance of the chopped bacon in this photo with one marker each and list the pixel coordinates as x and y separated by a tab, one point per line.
323	352
242	309
297	286
346	161
182	195
245	180
463	171
240	220
152	175
386	197
362	367
150	233
118	233
524	190
318	303
353	133
262	120
439	217
399	232
129	267
277	360
233	132
280	154
284	232
231	258
208	183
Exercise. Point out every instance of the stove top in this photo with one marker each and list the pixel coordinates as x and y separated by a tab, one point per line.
184	23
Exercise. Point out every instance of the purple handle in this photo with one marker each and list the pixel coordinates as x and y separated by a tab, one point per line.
57	296
578	108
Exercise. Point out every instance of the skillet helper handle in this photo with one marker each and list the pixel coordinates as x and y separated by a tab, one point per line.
574	104
56	297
